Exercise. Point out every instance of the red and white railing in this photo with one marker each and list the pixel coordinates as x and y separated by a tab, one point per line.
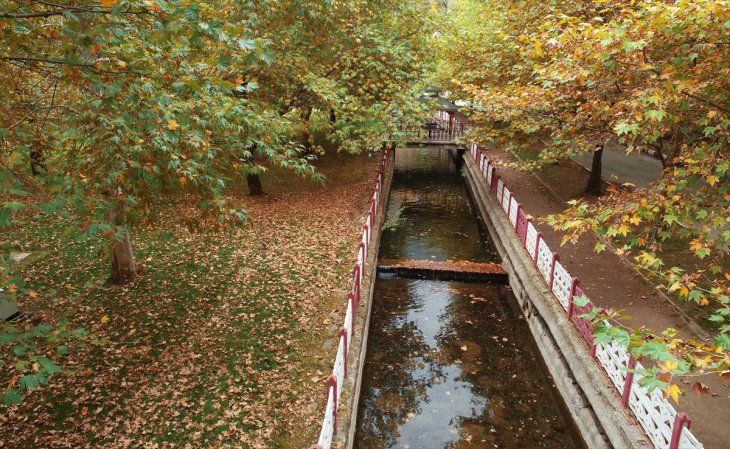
665	427
336	380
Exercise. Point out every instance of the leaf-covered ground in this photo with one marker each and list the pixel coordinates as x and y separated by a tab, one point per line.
220	342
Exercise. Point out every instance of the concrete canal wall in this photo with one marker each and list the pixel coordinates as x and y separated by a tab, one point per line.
587	392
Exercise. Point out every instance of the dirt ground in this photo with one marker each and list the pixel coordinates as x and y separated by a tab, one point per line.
220	342
608	282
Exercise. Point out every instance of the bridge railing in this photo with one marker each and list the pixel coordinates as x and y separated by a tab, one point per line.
336	380
436	131
665	427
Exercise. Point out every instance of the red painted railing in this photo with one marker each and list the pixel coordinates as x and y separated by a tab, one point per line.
335	382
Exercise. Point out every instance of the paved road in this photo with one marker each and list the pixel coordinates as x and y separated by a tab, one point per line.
618	167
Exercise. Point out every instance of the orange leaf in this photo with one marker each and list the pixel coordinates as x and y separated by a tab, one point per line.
108	3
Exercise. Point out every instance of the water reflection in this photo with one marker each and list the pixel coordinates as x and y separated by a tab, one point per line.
438	222
451	365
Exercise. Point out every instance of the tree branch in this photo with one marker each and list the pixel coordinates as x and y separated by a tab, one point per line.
705	101
41	108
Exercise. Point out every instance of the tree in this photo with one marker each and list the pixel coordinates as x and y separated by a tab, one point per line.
109	106
134	98
359	62
567	76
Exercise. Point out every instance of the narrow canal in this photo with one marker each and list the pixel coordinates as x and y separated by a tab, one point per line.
449	364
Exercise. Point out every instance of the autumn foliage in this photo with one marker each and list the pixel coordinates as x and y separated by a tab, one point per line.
565	77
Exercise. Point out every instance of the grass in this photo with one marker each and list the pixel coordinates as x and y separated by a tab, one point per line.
219	342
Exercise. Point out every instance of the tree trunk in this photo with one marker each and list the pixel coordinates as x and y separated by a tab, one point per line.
333	117
254	184
306	113
124	268
594	179
36	162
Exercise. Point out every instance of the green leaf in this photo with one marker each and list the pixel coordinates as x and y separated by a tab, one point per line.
12	397
702	252
650	381
655	114
580	301
669	219
30	381
656	351
602	338
19	350
723	341
694	295
591	314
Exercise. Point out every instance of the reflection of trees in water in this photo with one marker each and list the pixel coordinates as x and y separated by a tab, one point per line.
400	369
429	202
413	159
498	358
436	220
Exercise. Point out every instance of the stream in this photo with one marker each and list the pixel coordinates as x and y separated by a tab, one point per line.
450	364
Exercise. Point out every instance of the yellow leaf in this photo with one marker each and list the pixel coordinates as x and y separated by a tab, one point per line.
172	124
104	319
623	230
635	220
683	291
33	294
668	366
674	392
712	179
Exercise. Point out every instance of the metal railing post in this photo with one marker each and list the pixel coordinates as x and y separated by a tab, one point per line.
556	258
680	421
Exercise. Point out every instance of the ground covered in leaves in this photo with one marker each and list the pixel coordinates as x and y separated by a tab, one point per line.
220	341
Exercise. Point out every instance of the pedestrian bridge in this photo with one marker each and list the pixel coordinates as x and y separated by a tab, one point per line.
435	133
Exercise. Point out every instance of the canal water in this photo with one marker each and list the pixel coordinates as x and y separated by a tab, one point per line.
449	364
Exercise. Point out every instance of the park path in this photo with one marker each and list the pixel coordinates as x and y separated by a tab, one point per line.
608	282
637	168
